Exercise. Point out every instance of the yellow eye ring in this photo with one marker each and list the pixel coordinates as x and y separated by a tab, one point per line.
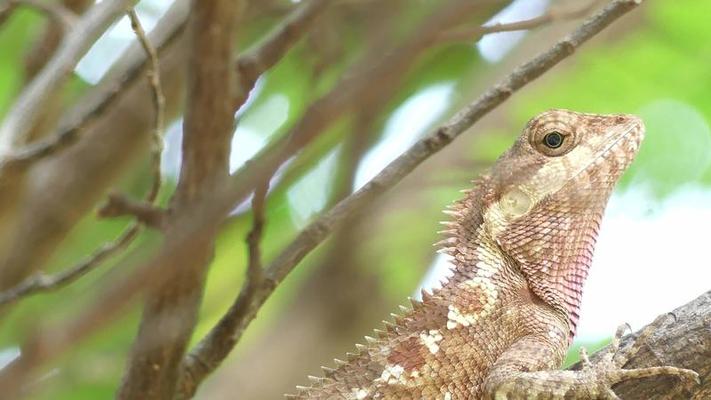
553	140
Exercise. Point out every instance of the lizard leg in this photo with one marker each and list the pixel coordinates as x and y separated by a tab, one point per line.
511	378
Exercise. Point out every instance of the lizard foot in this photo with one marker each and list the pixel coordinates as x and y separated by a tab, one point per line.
608	370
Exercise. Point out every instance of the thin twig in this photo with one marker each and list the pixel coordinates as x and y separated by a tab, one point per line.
44	283
154	80
238	317
553	14
21	117
145	212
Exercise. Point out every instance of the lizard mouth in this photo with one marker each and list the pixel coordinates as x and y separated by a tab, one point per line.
632	129
629	133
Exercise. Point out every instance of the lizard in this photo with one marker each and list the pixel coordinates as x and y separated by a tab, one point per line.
521	244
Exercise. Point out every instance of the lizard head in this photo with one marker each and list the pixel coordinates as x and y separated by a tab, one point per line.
546	195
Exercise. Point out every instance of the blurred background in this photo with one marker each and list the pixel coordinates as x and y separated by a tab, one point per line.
653	248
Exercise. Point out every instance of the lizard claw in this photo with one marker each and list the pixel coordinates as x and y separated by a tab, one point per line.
609	368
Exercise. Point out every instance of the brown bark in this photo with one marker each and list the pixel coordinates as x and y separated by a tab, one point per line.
171	307
683	340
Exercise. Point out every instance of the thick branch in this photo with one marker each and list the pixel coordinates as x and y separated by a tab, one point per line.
171	308
684	341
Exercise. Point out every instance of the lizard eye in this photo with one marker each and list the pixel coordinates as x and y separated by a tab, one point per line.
553	140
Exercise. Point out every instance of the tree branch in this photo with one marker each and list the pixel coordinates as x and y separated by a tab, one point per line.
681	340
172	306
22	115
197	364
56	12
252	64
42	283
145	212
553	14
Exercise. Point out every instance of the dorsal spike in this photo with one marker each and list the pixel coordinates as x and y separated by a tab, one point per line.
426	296
416	304
315	379
446	242
453	213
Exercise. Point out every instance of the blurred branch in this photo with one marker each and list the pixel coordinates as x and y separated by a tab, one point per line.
145	212
254	237
317	231
21	117
99	115
54	11
42	283
114	119
252	64
553	14
39	53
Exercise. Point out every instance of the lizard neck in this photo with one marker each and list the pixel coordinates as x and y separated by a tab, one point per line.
554	277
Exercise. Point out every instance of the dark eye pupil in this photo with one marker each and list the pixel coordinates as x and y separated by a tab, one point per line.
553	140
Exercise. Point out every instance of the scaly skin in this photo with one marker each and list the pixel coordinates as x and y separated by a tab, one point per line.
521	244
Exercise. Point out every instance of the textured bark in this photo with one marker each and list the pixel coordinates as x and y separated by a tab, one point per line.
684	340
171	307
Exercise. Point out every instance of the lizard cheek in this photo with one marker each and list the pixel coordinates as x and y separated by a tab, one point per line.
515	203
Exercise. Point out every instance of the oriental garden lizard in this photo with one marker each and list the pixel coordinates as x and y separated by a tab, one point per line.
521	243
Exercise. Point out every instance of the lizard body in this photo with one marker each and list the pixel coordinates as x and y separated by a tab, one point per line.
521	243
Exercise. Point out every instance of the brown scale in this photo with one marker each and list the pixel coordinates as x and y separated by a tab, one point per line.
521	244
